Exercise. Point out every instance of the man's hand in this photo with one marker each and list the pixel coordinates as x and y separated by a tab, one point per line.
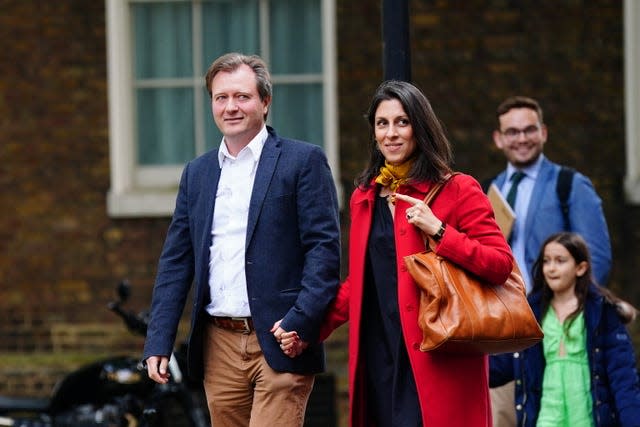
157	369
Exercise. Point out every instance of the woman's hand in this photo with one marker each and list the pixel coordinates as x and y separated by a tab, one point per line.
420	215
290	342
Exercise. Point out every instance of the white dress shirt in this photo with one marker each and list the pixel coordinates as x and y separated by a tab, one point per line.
227	279
525	189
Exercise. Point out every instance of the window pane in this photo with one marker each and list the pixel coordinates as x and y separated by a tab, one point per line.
162	40
229	26
165	126
296	41
297	112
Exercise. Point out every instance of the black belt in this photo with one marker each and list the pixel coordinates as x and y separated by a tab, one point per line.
237	324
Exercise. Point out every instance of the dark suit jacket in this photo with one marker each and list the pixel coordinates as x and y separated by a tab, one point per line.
292	253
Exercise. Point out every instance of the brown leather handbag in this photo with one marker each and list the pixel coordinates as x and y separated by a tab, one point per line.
460	312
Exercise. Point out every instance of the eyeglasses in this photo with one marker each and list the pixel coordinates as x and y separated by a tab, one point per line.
513	133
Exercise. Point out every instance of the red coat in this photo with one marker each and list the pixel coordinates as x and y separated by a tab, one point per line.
452	388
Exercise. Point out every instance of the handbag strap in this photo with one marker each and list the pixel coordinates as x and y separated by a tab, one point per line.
431	194
433	191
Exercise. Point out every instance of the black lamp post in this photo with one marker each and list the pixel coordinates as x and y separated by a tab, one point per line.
396	53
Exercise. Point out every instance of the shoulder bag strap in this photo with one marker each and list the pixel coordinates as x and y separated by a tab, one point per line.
433	191
431	194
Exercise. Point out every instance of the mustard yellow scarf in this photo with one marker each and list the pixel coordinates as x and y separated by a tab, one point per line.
393	176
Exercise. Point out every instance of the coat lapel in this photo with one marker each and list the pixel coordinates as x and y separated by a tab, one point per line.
264	174
211	175
208	187
500	179
545	174
202	189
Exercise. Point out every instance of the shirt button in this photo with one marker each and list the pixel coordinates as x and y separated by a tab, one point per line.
519	407
516	355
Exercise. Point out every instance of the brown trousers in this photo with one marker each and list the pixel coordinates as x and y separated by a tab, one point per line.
241	388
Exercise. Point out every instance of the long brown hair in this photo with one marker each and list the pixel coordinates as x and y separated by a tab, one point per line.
577	247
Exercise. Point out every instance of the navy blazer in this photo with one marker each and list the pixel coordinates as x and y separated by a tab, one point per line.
292	259
586	217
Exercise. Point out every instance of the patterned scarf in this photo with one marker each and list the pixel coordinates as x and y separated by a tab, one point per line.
393	176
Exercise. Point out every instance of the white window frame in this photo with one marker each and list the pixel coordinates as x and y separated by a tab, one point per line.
632	99
151	192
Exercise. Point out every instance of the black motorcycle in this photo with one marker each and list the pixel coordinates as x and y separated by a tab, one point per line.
114	392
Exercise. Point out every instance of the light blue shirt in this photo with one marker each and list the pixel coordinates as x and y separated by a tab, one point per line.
525	189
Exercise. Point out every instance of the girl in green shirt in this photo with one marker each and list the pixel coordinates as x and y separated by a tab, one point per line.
566	386
584	372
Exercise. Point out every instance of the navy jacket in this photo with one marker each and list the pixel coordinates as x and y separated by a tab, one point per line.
292	258
615	388
586	217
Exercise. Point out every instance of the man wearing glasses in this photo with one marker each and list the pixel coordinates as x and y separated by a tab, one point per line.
529	184
521	135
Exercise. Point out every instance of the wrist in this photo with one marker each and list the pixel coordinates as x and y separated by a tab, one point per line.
438	234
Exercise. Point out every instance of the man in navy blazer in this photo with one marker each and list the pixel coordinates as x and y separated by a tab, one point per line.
521	135
256	229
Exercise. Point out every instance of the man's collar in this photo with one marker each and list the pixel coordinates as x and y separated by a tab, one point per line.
254	147
531	171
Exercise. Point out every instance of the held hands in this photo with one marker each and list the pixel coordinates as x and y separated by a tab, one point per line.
290	342
420	215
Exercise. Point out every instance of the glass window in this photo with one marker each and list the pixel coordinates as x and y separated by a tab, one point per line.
165	126
297	111
295	46
160	116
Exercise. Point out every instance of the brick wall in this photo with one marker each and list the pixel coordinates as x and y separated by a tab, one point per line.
60	255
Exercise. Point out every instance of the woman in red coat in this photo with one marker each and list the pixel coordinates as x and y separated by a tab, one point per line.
392	382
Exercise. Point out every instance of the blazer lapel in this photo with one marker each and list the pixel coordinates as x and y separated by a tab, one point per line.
545	175
208	181
499	181
211	175
264	174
